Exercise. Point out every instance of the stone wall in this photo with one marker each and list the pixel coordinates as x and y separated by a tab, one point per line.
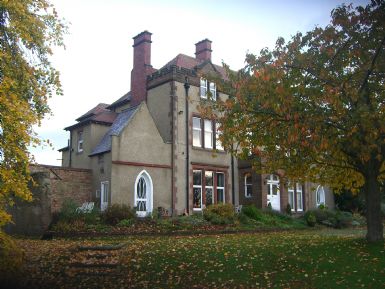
53	186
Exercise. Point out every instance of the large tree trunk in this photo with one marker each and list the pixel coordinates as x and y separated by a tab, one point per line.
375	229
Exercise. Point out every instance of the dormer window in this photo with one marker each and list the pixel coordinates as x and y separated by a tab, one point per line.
205	86
80	141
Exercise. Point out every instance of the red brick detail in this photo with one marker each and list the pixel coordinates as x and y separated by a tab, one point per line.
209	166
142	67
203	50
136	164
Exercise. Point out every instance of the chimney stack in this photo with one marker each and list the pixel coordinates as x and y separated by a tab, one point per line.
142	67
203	50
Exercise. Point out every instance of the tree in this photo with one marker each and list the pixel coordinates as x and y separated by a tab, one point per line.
314	107
27	79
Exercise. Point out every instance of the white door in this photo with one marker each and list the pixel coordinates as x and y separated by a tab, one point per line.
143	194
103	195
273	195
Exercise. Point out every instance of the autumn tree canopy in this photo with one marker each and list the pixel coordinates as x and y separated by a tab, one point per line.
314	106
28	28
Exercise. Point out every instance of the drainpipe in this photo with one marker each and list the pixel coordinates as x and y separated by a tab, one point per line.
172	148
232	179
187	87
70	149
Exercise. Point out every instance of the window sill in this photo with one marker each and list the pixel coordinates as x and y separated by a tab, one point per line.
209	150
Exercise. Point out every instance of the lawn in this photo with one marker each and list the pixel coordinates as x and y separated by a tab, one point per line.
296	259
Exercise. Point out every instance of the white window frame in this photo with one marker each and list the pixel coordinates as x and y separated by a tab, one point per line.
299	192
209	134
198	187
319	200
291	191
213	90
104	193
149	193
209	187
248	185
203	88
220	187
80	141
218	143
198	131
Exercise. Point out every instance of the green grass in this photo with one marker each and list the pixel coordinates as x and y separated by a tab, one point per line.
296	259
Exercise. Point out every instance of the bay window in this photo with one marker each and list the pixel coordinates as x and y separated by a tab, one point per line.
208	188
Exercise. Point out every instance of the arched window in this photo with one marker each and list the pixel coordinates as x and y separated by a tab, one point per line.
320	195
143	194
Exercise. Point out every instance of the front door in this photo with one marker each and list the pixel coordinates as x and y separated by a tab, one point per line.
103	195
273	195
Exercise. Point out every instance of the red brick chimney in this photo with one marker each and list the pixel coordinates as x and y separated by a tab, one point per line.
203	50
142	67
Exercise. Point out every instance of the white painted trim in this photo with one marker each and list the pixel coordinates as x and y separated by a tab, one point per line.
149	192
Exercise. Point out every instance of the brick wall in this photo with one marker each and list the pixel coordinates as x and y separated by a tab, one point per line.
54	185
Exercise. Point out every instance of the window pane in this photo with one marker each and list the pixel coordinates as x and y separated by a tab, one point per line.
299	187
209	196
196	122
220	180
218	143
197	135
249	190
197	192
213	90
197	141
275	189
197	178
220	195
291	199
248	178
203	88
299	200
209	178
208	133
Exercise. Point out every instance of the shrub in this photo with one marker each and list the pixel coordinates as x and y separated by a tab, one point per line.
220	214
68	211
310	218
115	213
288	210
11	261
125	223
336	219
252	212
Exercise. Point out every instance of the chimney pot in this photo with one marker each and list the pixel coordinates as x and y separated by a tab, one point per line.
142	66
203	50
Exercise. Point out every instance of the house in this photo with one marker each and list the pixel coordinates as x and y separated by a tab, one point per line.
152	149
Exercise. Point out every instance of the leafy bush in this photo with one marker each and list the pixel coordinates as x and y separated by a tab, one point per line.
11	260
252	212
288	210
68	211
116	213
310	218
220	214
277	214
336	219
126	223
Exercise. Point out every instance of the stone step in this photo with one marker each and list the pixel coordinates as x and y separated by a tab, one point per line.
101	247
93	265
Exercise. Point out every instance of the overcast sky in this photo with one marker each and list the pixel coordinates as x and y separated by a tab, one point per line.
96	64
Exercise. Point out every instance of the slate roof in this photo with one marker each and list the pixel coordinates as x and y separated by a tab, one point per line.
121	101
99	114
185	61
116	128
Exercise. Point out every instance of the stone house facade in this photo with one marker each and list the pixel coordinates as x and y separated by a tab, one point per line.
152	149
